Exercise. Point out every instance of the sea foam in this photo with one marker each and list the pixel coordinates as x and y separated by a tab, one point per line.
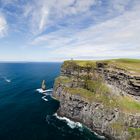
6	79
44	91
70	123
44	98
73	125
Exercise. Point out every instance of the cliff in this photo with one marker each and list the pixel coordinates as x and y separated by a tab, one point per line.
103	95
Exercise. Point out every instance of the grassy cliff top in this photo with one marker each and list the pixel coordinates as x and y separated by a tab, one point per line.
81	63
131	65
97	91
101	93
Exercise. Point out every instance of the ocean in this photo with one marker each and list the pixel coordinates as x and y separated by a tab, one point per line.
24	114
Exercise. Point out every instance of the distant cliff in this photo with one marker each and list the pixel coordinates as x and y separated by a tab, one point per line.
103	95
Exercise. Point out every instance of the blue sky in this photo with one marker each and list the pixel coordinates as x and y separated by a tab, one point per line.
56	30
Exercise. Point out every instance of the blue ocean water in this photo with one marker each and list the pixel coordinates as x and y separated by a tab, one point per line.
24	115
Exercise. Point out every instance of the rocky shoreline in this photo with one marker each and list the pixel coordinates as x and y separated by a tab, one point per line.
85	96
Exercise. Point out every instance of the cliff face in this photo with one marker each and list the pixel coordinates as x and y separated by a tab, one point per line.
97	94
125	80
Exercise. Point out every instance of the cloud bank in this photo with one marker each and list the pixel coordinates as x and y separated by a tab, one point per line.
79	29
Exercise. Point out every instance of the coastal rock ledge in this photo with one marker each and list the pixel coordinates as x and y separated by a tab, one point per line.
102	95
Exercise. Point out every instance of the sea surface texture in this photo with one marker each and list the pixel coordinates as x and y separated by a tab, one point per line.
26	114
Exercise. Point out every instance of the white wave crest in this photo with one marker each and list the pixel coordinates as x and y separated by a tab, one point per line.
6	79
70	123
99	136
44	98
44	91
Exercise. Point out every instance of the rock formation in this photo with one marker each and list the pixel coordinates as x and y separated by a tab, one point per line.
101	95
43	85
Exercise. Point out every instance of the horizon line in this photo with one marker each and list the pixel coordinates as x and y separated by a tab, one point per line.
61	61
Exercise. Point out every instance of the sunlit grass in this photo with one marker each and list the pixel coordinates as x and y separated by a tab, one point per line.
135	132
131	65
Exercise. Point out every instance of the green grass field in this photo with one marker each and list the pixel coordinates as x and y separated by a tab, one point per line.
131	65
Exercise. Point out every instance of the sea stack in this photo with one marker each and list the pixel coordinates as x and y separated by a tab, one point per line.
43	85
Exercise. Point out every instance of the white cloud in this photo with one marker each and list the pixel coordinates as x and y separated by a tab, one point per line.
75	28
42	14
3	26
117	37
43	19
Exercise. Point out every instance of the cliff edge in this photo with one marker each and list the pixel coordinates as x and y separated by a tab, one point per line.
103	95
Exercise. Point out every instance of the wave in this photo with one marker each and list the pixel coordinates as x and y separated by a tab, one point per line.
44	98
99	136
73	125
70	123
44	91
6	79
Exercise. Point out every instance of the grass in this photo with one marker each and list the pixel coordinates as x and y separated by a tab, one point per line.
86	94
125	104
62	80
132	65
118	126
97	86
128	104
85	63
97	91
90	96
81	63
135	132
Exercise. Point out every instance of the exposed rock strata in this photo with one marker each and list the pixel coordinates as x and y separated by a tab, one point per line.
120	78
108	121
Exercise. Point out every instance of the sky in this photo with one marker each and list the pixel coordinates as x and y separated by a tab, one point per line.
57	30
